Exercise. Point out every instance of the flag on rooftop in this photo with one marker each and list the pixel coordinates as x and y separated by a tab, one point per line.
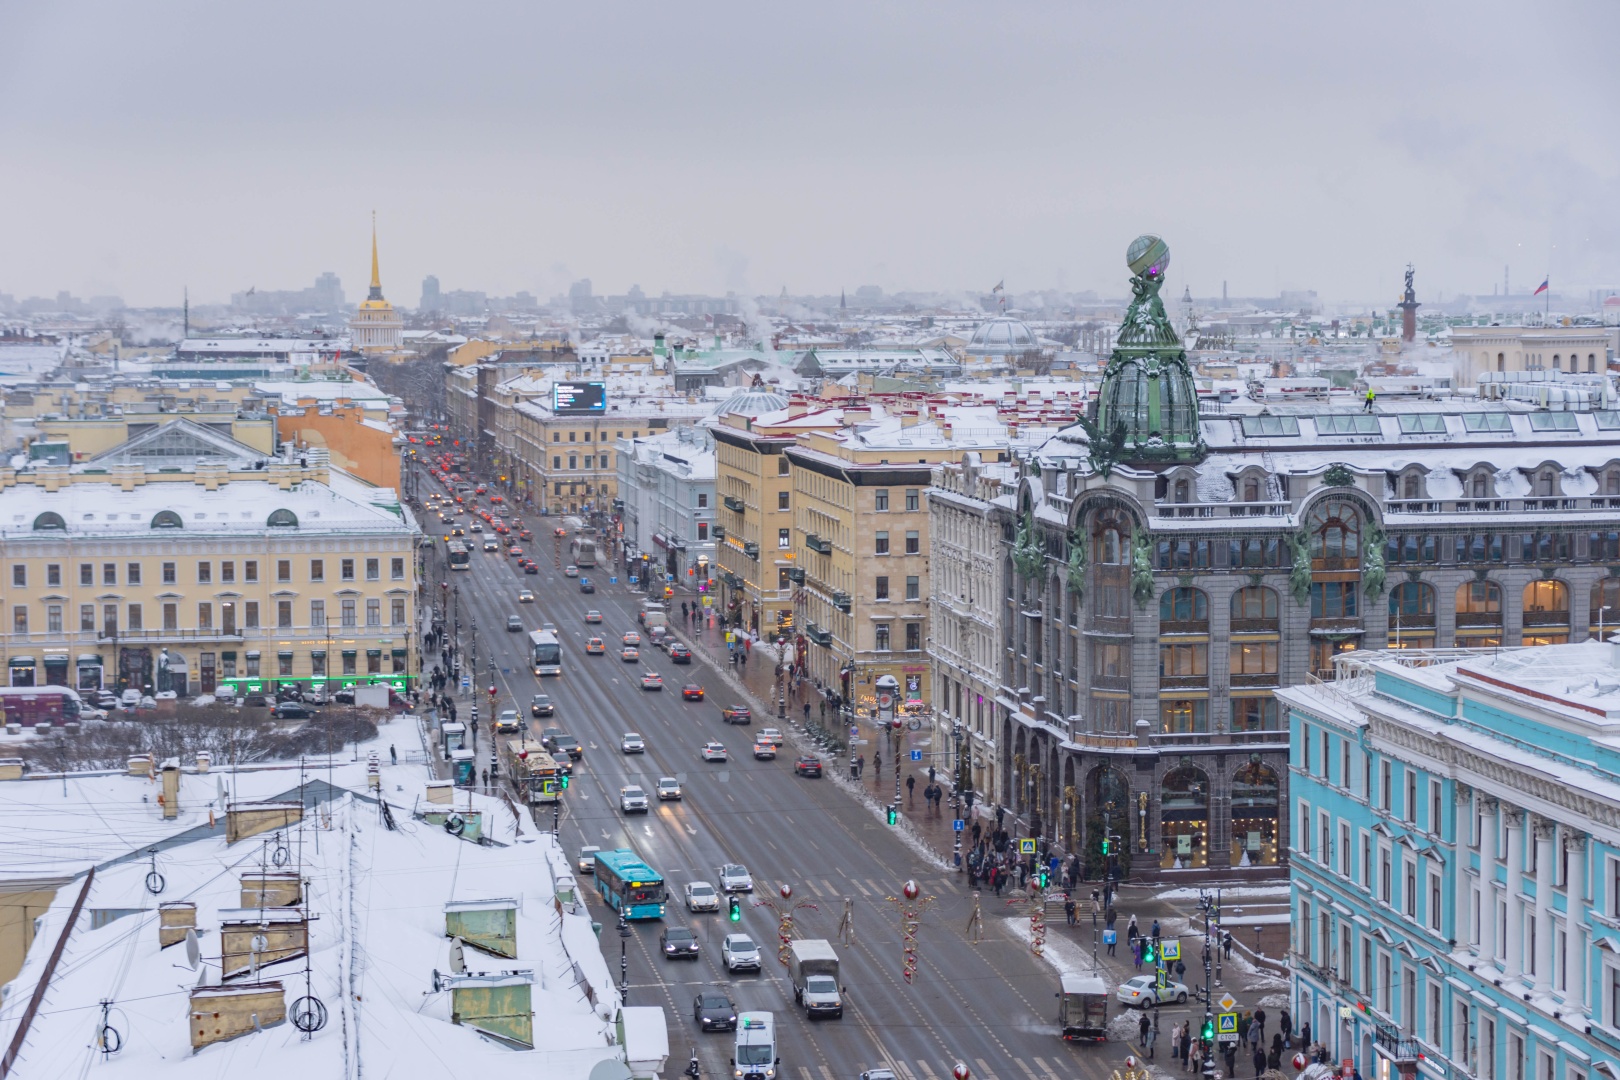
1542	287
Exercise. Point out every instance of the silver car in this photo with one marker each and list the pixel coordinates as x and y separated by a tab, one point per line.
700	896
632	800
631	743
734	877
740	953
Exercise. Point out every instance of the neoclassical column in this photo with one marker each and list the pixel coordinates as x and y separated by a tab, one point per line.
1462	821
1489	808
1513	965
1546	874
1574	912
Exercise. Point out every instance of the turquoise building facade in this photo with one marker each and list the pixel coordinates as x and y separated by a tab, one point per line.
1455	862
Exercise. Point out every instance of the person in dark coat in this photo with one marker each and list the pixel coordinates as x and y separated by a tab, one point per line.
1259	1062
1143	1026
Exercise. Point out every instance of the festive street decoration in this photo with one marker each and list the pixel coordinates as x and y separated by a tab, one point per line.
784	916
911	904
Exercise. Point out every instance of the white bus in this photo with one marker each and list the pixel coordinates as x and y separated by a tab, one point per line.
547	653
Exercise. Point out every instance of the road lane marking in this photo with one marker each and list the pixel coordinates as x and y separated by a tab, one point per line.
1029	1072
859	886
984	1069
927	1071
1047	1069
689	829
904	1070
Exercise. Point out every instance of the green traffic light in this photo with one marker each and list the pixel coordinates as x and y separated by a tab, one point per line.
736	910
1208	1031
894	814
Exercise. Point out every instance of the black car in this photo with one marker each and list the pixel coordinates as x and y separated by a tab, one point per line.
531	568
569	745
542	705
807	766
292	710
679	653
585	585
678	943
713	1011
344	697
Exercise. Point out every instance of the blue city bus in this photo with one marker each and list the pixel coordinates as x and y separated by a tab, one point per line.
629	885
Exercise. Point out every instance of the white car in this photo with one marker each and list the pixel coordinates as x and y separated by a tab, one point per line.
1141	992
740	953
713	751
632	744
570	570
700	896
734	877
770	735
764	751
525	596
668	788
632	800
587	859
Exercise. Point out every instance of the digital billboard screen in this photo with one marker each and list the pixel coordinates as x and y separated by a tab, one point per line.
579	397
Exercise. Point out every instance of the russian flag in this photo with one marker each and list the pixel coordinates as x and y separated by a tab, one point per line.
1542	287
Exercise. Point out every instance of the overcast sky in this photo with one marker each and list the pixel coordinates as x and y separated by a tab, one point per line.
706	147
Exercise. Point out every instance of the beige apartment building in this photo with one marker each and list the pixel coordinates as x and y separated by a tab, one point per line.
754	541
860	537
183	560
1570	349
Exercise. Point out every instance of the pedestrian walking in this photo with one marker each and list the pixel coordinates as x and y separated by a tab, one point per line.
1143	1026
1226	943
911	785
1285	1022
1154	933
1137	948
1305	1034
1068	909
824	709
877	765
1260	1018
1186	1044
393	755
1131	932
1152	1035
807	714
1259	1063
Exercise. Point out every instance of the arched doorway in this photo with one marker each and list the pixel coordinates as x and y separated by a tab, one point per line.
1108	818
1255	806
1184	818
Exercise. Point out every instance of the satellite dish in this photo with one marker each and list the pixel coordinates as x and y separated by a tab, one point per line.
458	957
192	953
610	1069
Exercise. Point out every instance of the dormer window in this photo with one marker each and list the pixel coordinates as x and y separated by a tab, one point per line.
1481	485
1251	490
1183	491
1411	487
1547	483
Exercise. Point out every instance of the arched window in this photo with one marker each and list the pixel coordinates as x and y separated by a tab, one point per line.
1606	604
1501	362
282	519
1112	571
1412	486
1548	596
1183	491
1480	484
167	519
1411	599
1254	603
1557	360
1547	482
1184	605
1335	528
1611	482
50	521
1256	802
1479	598
1591	362
1251	490
1184	817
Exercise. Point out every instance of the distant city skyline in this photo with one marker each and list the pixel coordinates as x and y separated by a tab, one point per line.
940	148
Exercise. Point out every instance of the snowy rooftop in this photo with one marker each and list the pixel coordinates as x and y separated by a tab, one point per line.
376	898
292	391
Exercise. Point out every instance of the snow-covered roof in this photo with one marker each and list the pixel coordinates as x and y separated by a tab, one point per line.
375	896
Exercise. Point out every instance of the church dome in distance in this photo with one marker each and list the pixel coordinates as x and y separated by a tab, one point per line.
1000	336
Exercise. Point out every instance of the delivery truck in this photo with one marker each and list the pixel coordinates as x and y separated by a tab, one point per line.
814	967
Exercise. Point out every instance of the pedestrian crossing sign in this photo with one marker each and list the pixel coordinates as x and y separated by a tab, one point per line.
1026	846
1226	1023
1172	950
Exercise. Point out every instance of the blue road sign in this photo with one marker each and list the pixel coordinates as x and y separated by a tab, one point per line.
615	581
916	755
466	682
853	731
958	824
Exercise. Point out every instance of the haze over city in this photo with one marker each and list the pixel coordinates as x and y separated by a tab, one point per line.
732	148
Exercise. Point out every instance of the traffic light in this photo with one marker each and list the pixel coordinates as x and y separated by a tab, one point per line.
565	781
893	813
1207	1032
735	914
1046	876
1150	952
1107	846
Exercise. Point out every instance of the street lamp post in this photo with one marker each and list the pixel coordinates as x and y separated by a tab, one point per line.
956	792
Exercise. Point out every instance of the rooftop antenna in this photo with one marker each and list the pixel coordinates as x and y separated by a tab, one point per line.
186	307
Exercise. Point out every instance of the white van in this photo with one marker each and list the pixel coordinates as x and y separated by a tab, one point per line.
755	1053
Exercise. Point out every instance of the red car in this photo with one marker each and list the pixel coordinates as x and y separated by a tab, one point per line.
691	692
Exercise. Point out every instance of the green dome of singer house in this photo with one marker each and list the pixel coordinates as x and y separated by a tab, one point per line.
1147	409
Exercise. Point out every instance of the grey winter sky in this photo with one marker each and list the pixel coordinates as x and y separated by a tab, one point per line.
706	147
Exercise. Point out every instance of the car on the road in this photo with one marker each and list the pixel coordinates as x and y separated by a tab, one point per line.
490	545
629	653
293	710
593	616
570	570
529	567
542	705
631	743
713	1011
565	764
514	624
740	953
770	735
559	531
549	737
691	692
806	765
878	1074
508	721
736	714
476	527
734	877
548	627
586	585
668	788
568	745
678	943
651	680
587	859
679	653
1142	992
700	896
631	638
525	596
713	751
595	646
632	800
525	534
514	552
764	751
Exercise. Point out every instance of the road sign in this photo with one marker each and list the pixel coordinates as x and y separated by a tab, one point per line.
1172	950
613	581
916	755
853	731
1227	1002
634	580
1026	846
957	824
1226	1023
466	682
